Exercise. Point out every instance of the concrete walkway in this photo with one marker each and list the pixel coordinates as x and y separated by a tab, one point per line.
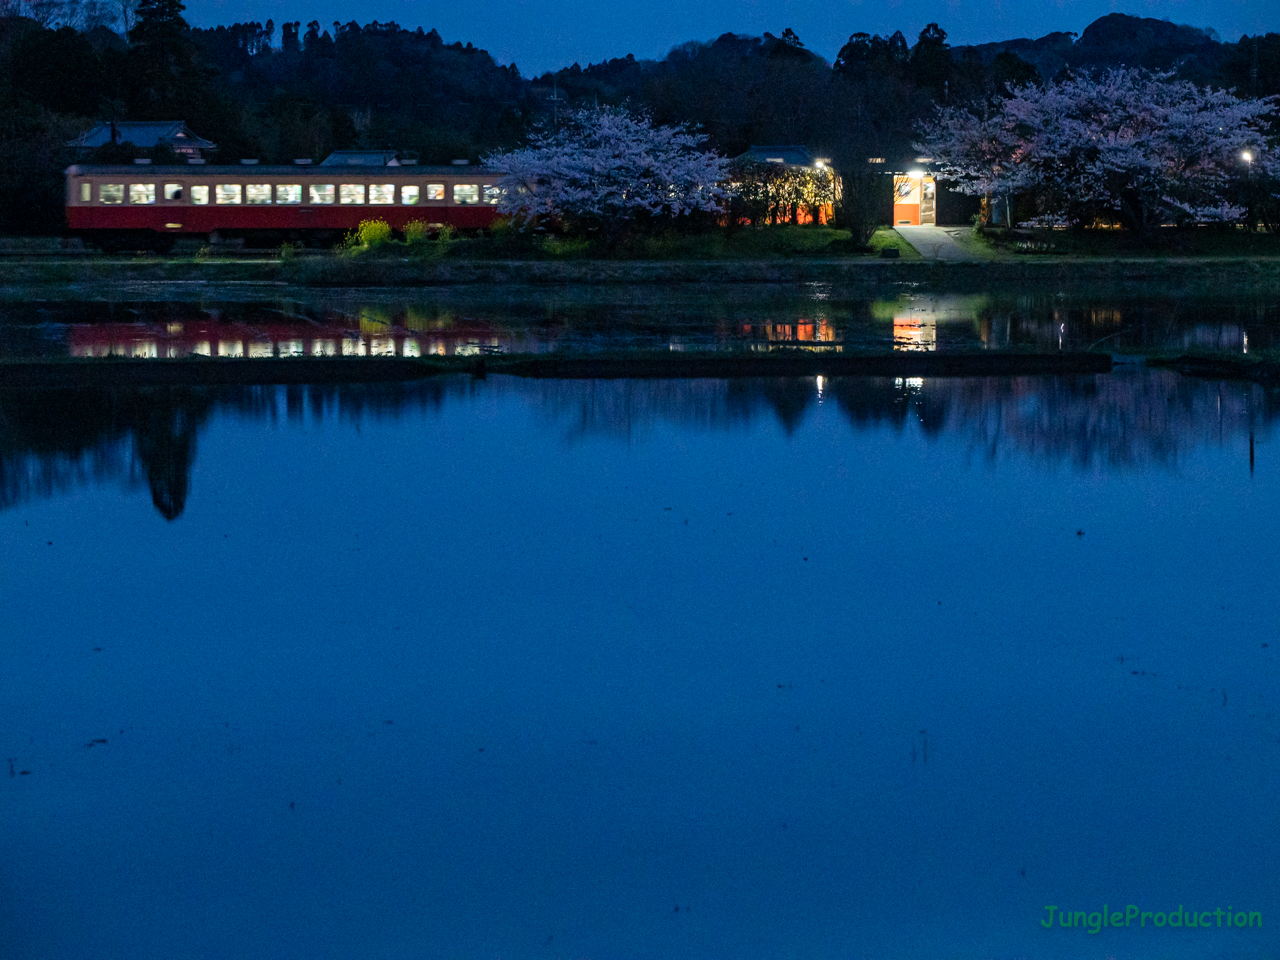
937	243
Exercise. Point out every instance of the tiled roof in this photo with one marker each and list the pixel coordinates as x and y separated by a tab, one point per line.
792	155
362	158
145	134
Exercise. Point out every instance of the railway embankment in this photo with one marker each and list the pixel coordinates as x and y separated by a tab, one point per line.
83	275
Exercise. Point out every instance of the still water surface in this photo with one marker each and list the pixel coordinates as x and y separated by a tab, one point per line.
534	320
501	668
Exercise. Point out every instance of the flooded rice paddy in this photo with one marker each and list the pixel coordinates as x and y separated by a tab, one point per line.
773	667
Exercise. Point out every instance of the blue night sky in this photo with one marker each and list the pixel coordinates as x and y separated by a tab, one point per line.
539	35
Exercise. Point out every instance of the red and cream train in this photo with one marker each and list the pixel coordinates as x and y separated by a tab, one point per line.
146	206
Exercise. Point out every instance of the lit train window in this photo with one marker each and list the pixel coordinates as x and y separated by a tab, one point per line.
288	193
111	193
142	193
382	193
409	195
351	193
200	194
466	193
173	191
227	193
322	193
435	191
86	192
492	194
257	192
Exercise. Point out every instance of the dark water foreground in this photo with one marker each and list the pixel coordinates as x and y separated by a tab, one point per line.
684	668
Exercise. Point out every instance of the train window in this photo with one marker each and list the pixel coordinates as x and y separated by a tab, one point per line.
173	191
111	193
466	193
435	191
257	192
142	193
321	193
409	195
86	191
351	193
227	193
382	193
200	194
288	193
492	194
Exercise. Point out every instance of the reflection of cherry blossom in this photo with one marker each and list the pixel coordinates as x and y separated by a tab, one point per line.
606	165
1127	146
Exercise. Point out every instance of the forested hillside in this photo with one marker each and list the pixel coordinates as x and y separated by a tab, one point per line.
302	90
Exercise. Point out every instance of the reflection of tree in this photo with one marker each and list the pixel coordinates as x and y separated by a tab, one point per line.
59	440
52	441
165	445
1120	420
1117	420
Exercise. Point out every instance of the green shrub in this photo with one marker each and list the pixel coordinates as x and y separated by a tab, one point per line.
416	232
370	235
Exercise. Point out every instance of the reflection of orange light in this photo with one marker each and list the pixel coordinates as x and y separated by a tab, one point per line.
913	333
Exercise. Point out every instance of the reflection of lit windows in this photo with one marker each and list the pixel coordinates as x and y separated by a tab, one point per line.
321	192
290	348
382	347
288	193
410	348
259	351
492	194
353	347
435	191
230	348
142	193
351	193
257	192
200	195
173	191
324	348
111	193
466	193
201	348
146	349
227	193
382	193
471	349
409	195
438	348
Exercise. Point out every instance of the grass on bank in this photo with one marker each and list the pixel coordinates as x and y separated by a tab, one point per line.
374	238
1202	241
886	238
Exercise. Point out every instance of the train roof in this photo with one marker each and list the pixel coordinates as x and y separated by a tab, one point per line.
244	170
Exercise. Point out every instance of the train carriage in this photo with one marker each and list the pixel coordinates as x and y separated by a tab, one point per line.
149	206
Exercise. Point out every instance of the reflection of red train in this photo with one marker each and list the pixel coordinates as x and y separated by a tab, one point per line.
149	206
251	341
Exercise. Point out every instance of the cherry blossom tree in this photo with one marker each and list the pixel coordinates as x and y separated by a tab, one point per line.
1127	146
605	169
